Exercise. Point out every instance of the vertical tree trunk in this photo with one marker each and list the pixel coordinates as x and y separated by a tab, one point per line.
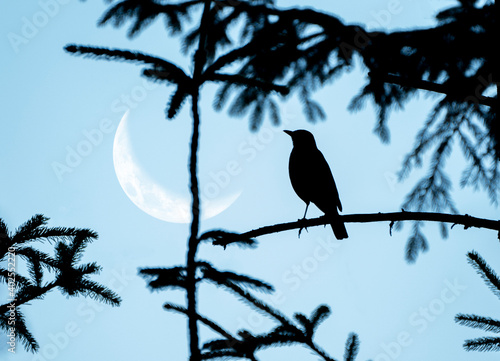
494	58
193	238
496	75
199	64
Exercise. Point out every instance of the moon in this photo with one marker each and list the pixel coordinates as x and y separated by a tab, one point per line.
147	194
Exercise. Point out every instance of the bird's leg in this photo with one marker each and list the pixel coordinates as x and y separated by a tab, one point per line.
307	206
303	218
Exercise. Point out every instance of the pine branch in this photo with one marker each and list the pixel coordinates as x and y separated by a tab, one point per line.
319	315
145	12
206	321
116	54
305	15
162	278
274	313
34	222
483	323
484	270
309	325
483	344
31	293
351	347
4	231
34	255
465	220
286	325
21	330
176	101
435	87
48	234
5	240
168	70
20	279
219	235
225	278
318	350
98	292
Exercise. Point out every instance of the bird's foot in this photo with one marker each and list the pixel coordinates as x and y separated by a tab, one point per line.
301	228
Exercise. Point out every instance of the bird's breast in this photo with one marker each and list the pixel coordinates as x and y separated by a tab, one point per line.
302	175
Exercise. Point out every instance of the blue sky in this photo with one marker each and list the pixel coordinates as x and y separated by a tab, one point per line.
53	102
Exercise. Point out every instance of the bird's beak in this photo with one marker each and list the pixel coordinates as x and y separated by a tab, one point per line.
289	132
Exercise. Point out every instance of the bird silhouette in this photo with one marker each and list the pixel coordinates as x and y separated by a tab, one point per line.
312	179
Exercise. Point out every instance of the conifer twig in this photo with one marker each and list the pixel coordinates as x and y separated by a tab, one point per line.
206	321
434	87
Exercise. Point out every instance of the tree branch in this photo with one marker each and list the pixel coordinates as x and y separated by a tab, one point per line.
36	292
206	321
465	220
308	15
319	351
434	87
282	319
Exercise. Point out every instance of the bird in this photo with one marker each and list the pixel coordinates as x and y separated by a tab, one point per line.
313	181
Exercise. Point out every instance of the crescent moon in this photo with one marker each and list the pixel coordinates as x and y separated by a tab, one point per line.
151	197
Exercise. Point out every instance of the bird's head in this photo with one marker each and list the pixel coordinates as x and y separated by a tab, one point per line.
301	138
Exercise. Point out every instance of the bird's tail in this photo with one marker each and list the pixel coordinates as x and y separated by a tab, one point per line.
338	228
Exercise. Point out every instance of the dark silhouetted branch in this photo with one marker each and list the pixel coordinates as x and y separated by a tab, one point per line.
306	15
176	73
36	292
435	87
314	347
465	220
207	322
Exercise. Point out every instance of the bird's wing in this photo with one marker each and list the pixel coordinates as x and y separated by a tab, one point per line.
325	194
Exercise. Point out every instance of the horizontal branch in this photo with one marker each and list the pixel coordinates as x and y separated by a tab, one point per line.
465	220
436	88
124	55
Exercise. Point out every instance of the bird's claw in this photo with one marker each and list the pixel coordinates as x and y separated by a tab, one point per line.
301	228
